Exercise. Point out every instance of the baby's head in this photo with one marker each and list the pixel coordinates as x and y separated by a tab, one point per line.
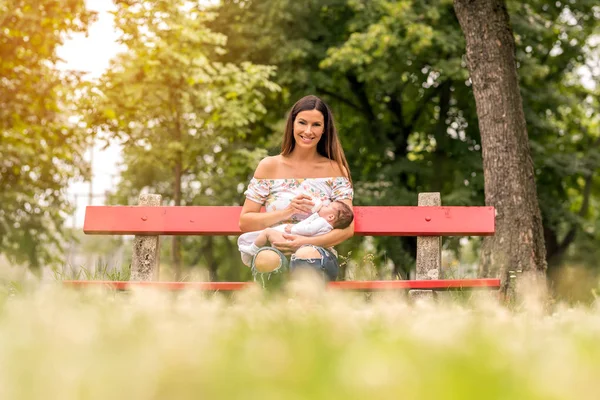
338	214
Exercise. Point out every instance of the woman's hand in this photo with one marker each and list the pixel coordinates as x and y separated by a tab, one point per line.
291	243
301	204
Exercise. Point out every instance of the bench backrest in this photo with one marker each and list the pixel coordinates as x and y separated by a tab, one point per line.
223	220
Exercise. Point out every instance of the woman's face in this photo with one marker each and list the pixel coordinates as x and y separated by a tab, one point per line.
308	128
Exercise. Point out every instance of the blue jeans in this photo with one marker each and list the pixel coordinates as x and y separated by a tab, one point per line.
327	264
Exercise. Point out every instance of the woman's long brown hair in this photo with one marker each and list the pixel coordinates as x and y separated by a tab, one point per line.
329	146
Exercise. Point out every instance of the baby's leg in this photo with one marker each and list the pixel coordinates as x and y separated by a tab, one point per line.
267	236
262	238
273	235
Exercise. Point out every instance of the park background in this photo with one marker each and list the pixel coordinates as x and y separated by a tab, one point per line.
184	98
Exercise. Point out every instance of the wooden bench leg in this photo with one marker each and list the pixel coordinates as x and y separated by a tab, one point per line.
146	249
429	250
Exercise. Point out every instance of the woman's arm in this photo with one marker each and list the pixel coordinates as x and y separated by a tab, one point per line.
251	219
332	238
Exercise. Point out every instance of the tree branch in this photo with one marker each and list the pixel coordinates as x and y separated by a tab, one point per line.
426	99
395	107
340	98
358	88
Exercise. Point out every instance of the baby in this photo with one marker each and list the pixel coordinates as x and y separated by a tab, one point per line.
325	217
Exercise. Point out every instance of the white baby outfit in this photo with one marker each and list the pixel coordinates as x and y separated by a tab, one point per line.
276	194
314	225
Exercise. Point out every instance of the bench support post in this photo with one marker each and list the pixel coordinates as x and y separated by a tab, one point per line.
429	249
146	249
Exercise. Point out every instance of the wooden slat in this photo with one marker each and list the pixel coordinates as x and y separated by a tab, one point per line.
446	284
223	220
438	284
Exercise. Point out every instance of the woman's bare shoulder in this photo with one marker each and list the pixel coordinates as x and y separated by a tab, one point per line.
333	168
267	167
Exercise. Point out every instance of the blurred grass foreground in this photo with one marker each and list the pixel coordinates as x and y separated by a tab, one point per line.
305	342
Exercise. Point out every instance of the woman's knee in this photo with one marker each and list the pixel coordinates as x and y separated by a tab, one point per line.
307	252
315	258
267	261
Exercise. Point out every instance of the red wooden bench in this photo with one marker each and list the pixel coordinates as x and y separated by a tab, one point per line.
428	223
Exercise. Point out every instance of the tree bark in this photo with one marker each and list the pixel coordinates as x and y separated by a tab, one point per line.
177	195
518	244
176	241
209	256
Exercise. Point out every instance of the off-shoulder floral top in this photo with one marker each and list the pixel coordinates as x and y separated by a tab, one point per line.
276	194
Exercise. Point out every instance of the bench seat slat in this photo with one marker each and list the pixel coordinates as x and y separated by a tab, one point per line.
442	284
223	220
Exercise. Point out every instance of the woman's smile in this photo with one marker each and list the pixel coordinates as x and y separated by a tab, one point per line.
307	138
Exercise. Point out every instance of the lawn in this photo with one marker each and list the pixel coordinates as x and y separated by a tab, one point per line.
58	343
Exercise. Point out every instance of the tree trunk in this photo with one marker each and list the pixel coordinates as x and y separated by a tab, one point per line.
177	175
518	244
176	243
209	256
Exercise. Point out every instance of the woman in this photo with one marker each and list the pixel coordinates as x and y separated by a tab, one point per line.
312	165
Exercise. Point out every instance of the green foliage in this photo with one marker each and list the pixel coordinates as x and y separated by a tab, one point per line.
553	42
41	147
182	115
200	94
395	75
170	103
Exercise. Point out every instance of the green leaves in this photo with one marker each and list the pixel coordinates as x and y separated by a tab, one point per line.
182	114
394	73
40	149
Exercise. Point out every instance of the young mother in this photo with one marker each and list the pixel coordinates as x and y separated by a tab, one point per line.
311	165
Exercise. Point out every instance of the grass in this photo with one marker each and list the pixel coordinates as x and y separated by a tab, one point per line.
102	271
58	343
